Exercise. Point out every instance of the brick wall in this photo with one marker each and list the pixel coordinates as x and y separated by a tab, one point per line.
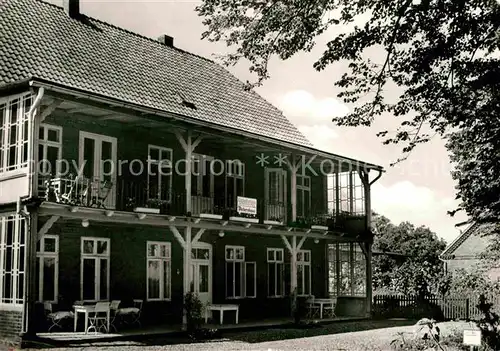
11	325
128	268
466	255
132	143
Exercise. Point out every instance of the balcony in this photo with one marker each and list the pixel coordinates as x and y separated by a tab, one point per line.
136	196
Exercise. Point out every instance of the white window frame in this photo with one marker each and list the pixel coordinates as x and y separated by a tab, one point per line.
22	138
243	273
97	257
45	143
235	169
97	172
305	264
277	265
18	275
41	255
164	295
161	165
302	189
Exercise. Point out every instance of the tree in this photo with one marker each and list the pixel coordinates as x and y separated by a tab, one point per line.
421	272
441	55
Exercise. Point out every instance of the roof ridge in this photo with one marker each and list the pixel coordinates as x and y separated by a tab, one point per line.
82	15
459	240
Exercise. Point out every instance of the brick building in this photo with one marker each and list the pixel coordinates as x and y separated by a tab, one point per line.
466	250
86	107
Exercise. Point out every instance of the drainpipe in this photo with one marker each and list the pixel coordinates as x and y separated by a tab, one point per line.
368	252
31	232
33	139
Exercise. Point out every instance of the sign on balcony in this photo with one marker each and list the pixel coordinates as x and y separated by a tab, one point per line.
246	205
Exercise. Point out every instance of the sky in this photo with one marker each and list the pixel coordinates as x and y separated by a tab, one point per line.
419	190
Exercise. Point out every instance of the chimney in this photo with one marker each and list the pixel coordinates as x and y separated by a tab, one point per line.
72	8
166	40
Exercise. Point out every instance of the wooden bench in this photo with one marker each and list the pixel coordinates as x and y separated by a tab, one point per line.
221	308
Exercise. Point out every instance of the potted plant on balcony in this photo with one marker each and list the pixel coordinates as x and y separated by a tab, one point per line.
319	222
274	221
154	206
301	222
244	217
214	213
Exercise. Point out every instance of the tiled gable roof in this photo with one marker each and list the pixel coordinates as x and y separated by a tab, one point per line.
474	229
39	40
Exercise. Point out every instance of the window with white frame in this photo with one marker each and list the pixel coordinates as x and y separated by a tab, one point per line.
158	271
13	229
241	276
159	172
94	281
14	132
47	268
275	272
235	182
49	152
347	269
303	195
304	272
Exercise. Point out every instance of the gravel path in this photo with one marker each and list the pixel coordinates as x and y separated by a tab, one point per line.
374	340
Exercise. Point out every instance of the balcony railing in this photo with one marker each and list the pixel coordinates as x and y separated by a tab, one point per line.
136	196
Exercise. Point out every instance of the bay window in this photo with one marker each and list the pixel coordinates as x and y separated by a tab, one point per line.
347	270
241	276
158	271
14	132
159	172
345	193
94	274
13	229
47	268
275	272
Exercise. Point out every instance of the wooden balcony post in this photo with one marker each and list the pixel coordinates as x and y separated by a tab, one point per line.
189	146
187	268
293	262
189	171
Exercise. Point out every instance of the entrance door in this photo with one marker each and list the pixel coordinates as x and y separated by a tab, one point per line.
98	157
202	185
276	194
201	271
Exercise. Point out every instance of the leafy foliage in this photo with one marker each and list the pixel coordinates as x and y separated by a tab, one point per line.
440	56
421	271
427	335
193	307
489	323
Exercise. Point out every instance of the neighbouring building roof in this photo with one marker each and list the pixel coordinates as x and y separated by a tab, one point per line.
474	229
39	40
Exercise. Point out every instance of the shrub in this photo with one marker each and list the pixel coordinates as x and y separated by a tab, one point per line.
193	307
489	324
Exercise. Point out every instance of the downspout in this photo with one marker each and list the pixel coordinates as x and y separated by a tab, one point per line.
29	283
368	249
32	133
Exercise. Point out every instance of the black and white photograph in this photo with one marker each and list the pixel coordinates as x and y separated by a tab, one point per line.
254	175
